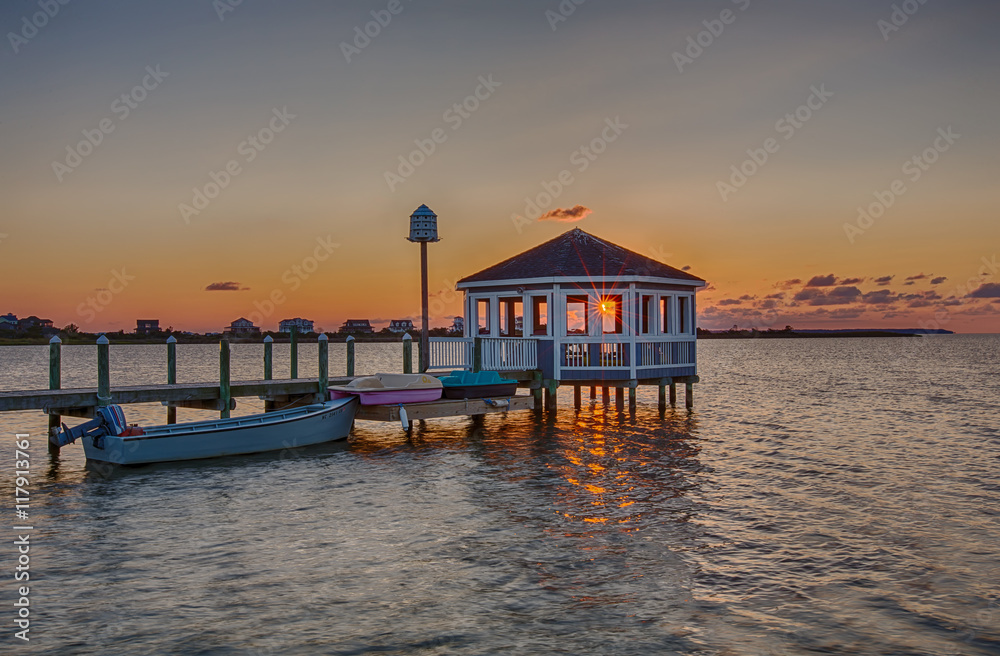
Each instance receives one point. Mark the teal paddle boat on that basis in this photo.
(483, 384)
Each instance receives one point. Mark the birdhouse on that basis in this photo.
(423, 225)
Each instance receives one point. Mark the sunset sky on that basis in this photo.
(119, 119)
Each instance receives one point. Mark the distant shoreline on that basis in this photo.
(783, 334)
(115, 338)
(86, 339)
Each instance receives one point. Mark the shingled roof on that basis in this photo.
(577, 254)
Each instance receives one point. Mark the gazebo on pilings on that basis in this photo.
(579, 311)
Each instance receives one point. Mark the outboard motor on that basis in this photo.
(109, 420)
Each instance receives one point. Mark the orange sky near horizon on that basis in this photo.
(748, 164)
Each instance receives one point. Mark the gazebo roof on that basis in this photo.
(577, 254)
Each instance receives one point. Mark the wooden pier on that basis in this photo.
(221, 397)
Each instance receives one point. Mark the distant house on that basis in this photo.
(8, 322)
(242, 326)
(357, 326)
(34, 322)
(302, 325)
(147, 326)
(400, 326)
(458, 325)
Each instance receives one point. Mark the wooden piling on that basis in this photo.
(673, 393)
(631, 397)
(324, 366)
(606, 396)
(225, 393)
(171, 375)
(593, 392)
(619, 399)
(294, 359)
(689, 395)
(103, 372)
(350, 355)
(477, 354)
(537, 392)
(551, 396)
(407, 354)
(661, 401)
(268, 357)
(55, 382)
(576, 397)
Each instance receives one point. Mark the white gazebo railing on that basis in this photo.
(511, 354)
(622, 353)
(451, 353)
(626, 353)
(666, 352)
(496, 353)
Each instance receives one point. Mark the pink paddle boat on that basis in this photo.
(389, 389)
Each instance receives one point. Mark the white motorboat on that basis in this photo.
(108, 438)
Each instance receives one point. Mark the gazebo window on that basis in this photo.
(483, 316)
(683, 314)
(610, 308)
(576, 315)
(539, 315)
(665, 315)
(645, 314)
(510, 310)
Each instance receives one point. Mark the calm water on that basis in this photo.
(825, 496)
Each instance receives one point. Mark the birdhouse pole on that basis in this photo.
(423, 229)
(425, 340)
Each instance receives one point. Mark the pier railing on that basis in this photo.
(626, 353)
(451, 353)
(483, 353)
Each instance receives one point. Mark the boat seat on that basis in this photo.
(114, 419)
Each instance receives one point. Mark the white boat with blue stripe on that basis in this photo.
(108, 438)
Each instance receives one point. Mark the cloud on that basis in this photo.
(920, 276)
(838, 296)
(822, 281)
(938, 280)
(730, 301)
(986, 290)
(225, 287)
(850, 281)
(884, 280)
(788, 284)
(686, 267)
(577, 213)
(880, 297)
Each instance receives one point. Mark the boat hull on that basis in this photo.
(285, 429)
(391, 397)
(498, 390)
